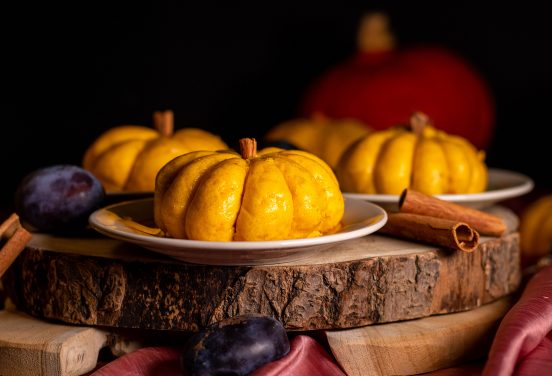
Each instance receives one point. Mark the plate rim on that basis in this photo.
(233, 246)
(493, 195)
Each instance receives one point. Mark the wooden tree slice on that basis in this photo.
(374, 279)
(32, 347)
(418, 346)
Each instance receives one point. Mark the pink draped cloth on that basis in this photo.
(306, 357)
(148, 361)
(523, 342)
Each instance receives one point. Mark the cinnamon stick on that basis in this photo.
(432, 230)
(15, 238)
(415, 202)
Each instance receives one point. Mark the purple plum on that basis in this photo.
(58, 198)
(236, 346)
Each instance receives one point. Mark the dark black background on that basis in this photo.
(238, 70)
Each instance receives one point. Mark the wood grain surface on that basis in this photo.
(33, 347)
(418, 346)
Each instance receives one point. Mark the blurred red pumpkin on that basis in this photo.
(382, 86)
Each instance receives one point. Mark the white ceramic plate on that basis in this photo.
(361, 218)
(502, 185)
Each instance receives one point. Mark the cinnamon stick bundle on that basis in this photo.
(438, 231)
(13, 238)
(415, 202)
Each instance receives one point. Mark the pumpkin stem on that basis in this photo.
(319, 117)
(374, 34)
(163, 121)
(418, 122)
(248, 148)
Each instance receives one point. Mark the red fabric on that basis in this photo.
(148, 361)
(306, 357)
(522, 345)
(539, 361)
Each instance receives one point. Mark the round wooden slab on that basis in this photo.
(373, 279)
(418, 346)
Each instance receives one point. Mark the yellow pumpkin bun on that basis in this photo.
(421, 158)
(319, 135)
(128, 157)
(223, 196)
(536, 230)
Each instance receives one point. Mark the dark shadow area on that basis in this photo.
(239, 70)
